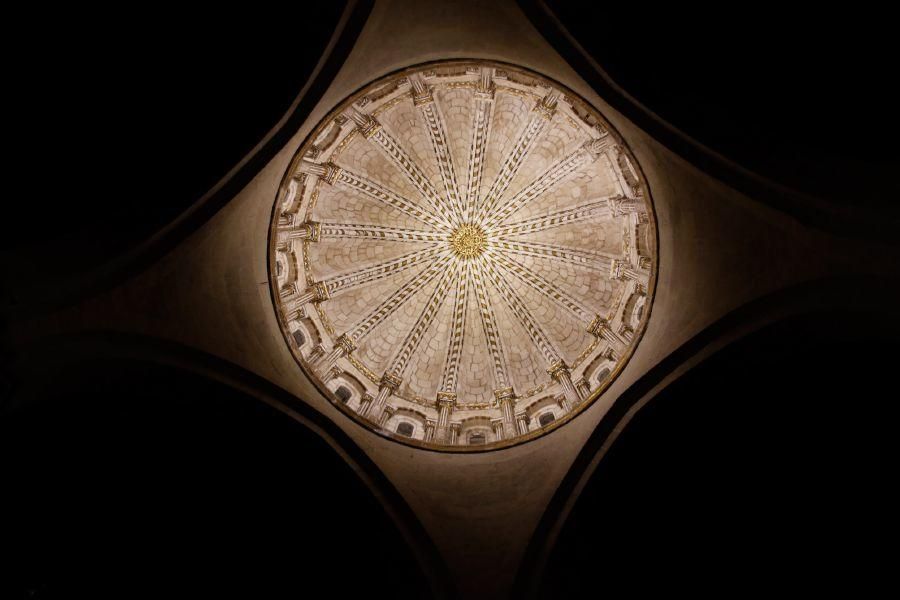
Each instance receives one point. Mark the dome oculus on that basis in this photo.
(463, 255)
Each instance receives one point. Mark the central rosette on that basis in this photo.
(468, 241)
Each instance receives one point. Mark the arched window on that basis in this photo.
(299, 338)
(603, 374)
(476, 438)
(546, 418)
(405, 428)
(343, 394)
(278, 268)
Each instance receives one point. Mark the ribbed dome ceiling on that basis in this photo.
(462, 255)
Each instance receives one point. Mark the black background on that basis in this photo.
(768, 468)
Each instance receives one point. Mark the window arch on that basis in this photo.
(299, 338)
(405, 428)
(477, 438)
(546, 419)
(603, 374)
(343, 394)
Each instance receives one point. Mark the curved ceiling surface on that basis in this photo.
(463, 255)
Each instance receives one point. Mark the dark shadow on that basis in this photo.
(146, 119)
(775, 92)
(768, 467)
(127, 127)
(125, 479)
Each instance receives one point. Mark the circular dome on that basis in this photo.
(463, 255)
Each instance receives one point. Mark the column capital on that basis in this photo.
(596, 147)
(620, 205)
(484, 89)
(288, 290)
(327, 172)
(598, 324)
(558, 369)
(522, 422)
(320, 291)
(345, 343)
(313, 152)
(293, 312)
(502, 394)
(313, 231)
(390, 381)
(421, 93)
(386, 413)
(446, 398)
(366, 124)
(546, 106)
(332, 171)
(430, 427)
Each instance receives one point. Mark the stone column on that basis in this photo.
(445, 403)
(560, 372)
(387, 386)
(289, 291)
(497, 425)
(429, 430)
(317, 352)
(454, 433)
(326, 172)
(293, 299)
(366, 124)
(293, 310)
(333, 372)
(484, 89)
(620, 205)
(305, 231)
(563, 403)
(522, 423)
(421, 92)
(621, 270)
(342, 347)
(506, 400)
(365, 403)
(386, 415)
(584, 390)
(628, 182)
(546, 106)
(596, 147)
(600, 327)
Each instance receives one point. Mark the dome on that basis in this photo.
(463, 255)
